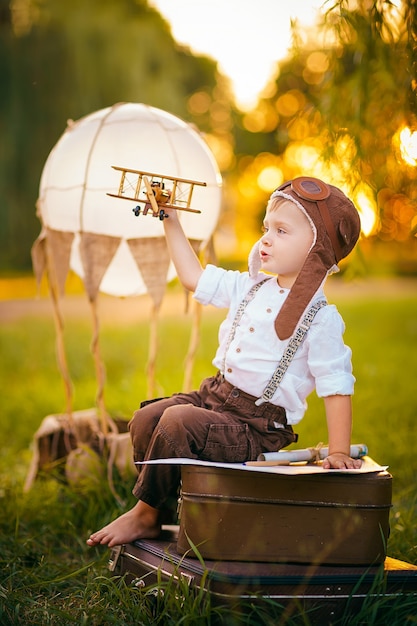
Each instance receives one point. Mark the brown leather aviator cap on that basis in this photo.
(337, 224)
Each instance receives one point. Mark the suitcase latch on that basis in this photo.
(114, 557)
(186, 578)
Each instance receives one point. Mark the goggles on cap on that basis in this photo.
(315, 190)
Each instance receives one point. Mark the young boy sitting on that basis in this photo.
(243, 411)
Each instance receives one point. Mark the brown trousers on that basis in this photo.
(218, 422)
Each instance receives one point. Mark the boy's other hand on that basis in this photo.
(339, 460)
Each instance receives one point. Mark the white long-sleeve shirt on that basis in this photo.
(322, 362)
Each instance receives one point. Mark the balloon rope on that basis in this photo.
(192, 348)
(153, 349)
(59, 329)
(100, 369)
(88, 163)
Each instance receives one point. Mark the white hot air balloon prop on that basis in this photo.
(99, 237)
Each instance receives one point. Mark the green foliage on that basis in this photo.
(336, 110)
(63, 60)
(365, 90)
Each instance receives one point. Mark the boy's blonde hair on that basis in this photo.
(275, 202)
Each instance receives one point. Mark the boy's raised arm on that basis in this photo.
(186, 262)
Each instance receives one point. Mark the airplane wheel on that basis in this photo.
(162, 214)
(136, 211)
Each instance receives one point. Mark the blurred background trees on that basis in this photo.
(345, 110)
(342, 106)
(63, 60)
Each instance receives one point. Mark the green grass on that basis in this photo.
(47, 573)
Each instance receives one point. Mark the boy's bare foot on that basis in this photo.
(139, 523)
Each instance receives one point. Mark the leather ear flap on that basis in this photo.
(308, 282)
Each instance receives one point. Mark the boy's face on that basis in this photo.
(286, 242)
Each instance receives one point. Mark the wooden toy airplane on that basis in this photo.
(155, 191)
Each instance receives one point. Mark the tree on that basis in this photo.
(337, 109)
(62, 60)
(370, 94)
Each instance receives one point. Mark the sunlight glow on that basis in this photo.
(408, 146)
(366, 205)
(301, 157)
(247, 40)
(270, 178)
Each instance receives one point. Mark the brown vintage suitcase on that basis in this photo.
(233, 514)
(326, 592)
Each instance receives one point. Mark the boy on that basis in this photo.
(309, 227)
